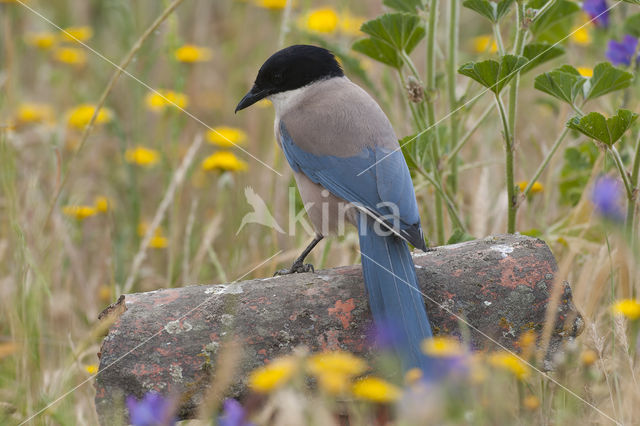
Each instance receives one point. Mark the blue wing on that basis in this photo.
(385, 190)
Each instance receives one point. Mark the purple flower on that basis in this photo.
(606, 196)
(597, 9)
(152, 410)
(233, 414)
(620, 53)
(385, 335)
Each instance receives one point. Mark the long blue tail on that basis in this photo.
(394, 296)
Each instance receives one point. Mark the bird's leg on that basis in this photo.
(298, 265)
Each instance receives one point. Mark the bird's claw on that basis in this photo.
(296, 268)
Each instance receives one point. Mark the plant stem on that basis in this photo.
(431, 112)
(542, 10)
(545, 162)
(454, 15)
(451, 207)
(623, 173)
(521, 32)
(631, 206)
(511, 198)
(470, 132)
(498, 37)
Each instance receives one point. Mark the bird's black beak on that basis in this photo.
(254, 95)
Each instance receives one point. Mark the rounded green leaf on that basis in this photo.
(605, 79)
(492, 74)
(379, 51)
(564, 83)
(402, 31)
(492, 10)
(605, 130)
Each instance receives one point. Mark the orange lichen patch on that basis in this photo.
(342, 311)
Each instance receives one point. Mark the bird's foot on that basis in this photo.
(429, 249)
(296, 268)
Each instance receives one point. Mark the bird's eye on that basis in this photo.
(277, 78)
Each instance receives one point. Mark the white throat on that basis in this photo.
(283, 102)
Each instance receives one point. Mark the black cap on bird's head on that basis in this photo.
(291, 68)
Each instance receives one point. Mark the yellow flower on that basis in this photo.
(80, 116)
(338, 362)
(413, 376)
(588, 357)
(442, 347)
(223, 160)
(190, 53)
(141, 156)
(581, 36)
(104, 293)
(483, 43)
(585, 71)
(42, 40)
(375, 389)
(322, 20)
(158, 242)
(77, 33)
(350, 25)
(70, 55)
(226, 136)
(264, 103)
(91, 368)
(34, 113)
(79, 212)
(531, 402)
(273, 375)
(101, 204)
(158, 101)
(630, 308)
(271, 4)
(510, 362)
(535, 188)
(334, 383)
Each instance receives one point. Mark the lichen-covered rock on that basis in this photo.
(166, 340)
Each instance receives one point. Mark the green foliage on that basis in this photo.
(606, 78)
(632, 25)
(576, 171)
(605, 130)
(493, 74)
(403, 31)
(539, 53)
(410, 6)
(492, 10)
(564, 83)
(391, 35)
(459, 236)
(632, 1)
(556, 22)
(379, 51)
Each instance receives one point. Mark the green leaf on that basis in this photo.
(379, 51)
(492, 10)
(493, 74)
(556, 22)
(564, 83)
(410, 6)
(605, 130)
(401, 31)
(632, 1)
(606, 78)
(632, 25)
(459, 236)
(539, 53)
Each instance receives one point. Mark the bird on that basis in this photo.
(344, 152)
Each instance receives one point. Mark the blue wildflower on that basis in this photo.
(233, 414)
(598, 10)
(152, 410)
(606, 197)
(620, 53)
